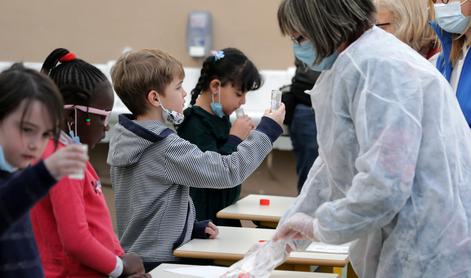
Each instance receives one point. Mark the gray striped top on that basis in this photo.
(151, 181)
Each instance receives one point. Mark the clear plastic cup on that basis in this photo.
(240, 112)
(275, 99)
(80, 174)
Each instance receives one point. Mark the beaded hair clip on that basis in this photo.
(219, 54)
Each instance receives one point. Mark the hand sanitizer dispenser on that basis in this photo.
(199, 36)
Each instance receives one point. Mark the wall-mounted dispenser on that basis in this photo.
(199, 33)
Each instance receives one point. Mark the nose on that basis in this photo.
(107, 127)
(242, 100)
(33, 143)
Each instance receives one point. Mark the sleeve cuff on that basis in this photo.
(234, 140)
(270, 128)
(45, 175)
(198, 229)
(118, 269)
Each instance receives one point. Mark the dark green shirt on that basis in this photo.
(210, 133)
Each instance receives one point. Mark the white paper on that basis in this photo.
(320, 247)
(205, 271)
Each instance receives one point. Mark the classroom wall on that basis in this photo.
(98, 30)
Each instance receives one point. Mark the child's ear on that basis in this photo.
(214, 86)
(153, 98)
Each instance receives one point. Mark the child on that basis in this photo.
(30, 114)
(72, 223)
(225, 79)
(152, 169)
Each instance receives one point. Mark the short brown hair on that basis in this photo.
(136, 73)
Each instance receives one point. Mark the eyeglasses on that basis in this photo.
(442, 1)
(382, 25)
(91, 110)
(298, 39)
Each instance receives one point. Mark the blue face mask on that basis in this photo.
(216, 107)
(450, 18)
(4, 165)
(307, 53)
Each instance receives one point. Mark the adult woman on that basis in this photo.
(393, 171)
(453, 27)
(409, 22)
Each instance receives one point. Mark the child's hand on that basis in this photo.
(212, 230)
(278, 116)
(132, 264)
(141, 275)
(66, 161)
(242, 127)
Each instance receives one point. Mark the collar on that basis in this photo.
(127, 121)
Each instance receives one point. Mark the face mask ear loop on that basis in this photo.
(76, 134)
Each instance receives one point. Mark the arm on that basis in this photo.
(187, 165)
(69, 211)
(21, 191)
(387, 122)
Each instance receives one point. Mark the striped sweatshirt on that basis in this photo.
(152, 170)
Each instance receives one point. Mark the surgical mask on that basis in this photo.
(216, 107)
(307, 53)
(171, 117)
(450, 18)
(4, 165)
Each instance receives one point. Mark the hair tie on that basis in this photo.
(68, 57)
(218, 55)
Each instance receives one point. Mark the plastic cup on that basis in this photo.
(80, 174)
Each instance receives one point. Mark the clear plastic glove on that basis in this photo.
(260, 260)
(298, 226)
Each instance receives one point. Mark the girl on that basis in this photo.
(393, 171)
(30, 114)
(225, 79)
(72, 224)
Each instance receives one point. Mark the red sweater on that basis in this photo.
(73, 229)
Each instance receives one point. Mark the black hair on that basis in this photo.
(229, 65)
(18, 84)
(75, 78)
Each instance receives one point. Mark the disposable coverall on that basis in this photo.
(394, 168)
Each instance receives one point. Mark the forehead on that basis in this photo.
(103, 96)
(33, 112)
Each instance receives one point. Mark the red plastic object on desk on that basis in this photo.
(264, 202)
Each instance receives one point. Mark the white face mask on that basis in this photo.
(171, 117)
(450, 18)
(4, 165)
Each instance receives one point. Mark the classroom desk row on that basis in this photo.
(164, 271)
(233, 243)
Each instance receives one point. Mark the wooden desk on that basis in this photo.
(249, 208)
(159, 272)
(233, 242)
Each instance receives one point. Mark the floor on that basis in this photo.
(276, 176)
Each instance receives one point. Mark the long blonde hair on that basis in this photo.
(410, 22)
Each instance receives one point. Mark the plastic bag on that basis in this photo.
(261, 260)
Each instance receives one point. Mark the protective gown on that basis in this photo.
(394, 168)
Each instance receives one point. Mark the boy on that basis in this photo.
(152, 168)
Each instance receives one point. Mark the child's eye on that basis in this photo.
(47, 135)
(26, 129)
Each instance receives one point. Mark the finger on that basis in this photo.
(209, 231)
(281, 233)
(212, 225)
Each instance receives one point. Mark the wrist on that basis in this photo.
(118, 270)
